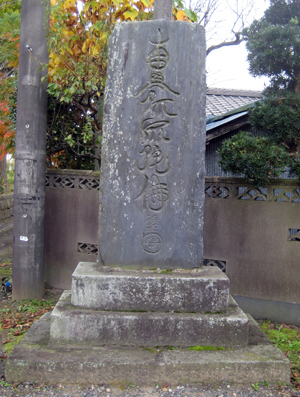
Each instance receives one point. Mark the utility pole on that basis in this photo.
(30, 153)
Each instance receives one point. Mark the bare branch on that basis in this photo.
(238, 39)
(212, 15)
(205, 9)
(242, 13)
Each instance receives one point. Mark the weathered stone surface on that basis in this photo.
(32, 360)
(206, 290)
(152, 172)
(163, 9)
(70, 324)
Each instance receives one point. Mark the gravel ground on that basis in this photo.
(224, 390)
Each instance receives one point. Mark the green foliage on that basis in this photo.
(265, 383)
(279, 117)
(33, 305)
(9, 6)
(150, 349)
(274, 51)
(274, 46)
(255, 386)
(77, 42)
(9, 55)
(181, 13)
(9, 38)
(5, 384)
(258, 158)
(287, 339)
(69, 137)
(295, 168)
(10, 180)
(2, 186)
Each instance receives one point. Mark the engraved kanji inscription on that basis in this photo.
(158, 98)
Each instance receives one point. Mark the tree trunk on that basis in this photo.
(3, 172)
(30, 154)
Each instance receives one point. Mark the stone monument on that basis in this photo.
(152, 172)
(149, 289)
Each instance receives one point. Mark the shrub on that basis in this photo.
(279, 118)
(258, 158)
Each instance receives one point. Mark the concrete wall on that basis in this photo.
(71, 223)
(253, 234)
(256, 234)
(6, 206)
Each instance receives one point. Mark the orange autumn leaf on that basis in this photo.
(181, 16)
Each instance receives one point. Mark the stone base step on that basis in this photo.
(70, 324)
(199, 290)
(32, 360)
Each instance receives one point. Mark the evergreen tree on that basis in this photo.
(274, 46)
(273, 43)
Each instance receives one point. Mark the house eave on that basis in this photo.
(222, 127)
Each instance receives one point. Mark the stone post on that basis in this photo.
(163, 9)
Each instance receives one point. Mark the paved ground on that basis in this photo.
(224, 390)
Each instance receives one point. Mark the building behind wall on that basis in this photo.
(226, 115)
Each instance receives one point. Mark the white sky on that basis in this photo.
(228, 67)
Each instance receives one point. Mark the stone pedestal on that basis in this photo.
(199, 290)
(142, 308)
(149, 329)
(90, 338)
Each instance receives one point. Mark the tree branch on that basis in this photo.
(238, 39)
(205, 10)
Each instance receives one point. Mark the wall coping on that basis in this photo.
(242, 181)
(51, 171)
(6, 196)
(208, 179)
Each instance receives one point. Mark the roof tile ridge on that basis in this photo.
(233, 92)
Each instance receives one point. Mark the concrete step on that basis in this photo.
(71, 324)
(198, 290)
(33, 360)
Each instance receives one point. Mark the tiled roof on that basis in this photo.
(221, 100)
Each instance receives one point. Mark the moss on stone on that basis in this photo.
(9, 347)
(202, 348)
